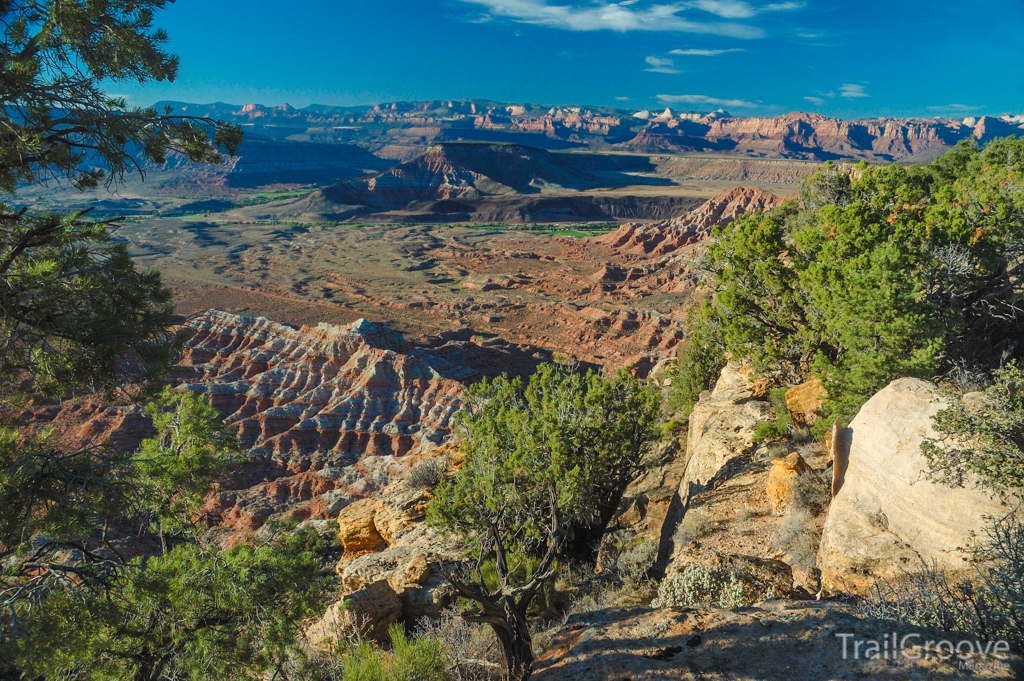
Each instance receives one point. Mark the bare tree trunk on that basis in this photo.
(516, 644)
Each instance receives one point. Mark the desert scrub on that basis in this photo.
(748, 512)
(694, 525)
(634, 564)
(985, 602)
(427, 474)
(701, 587)
(796, 534)
(472, 650)
(811, 493)
(781, 425)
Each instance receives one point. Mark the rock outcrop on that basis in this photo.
(403, 129)
(662, 238)
(781, 481)
(389, 549)
(357, 529)
(887, 516)
(722, 426)
(368, 613)
(812, 136)
(804, 402)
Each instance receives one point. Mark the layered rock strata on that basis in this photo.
(328, 414)
(668, 236)
(322, 395)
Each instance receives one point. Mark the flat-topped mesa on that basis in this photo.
(809, 136)
(667, 236)
(321, 396)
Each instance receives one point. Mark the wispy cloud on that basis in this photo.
(704, 100)
(954, 108)
(737, 9)
(815, 100)
(623, 16)
(852, 91)
(703, 53)
(622, 99)
(660, 65)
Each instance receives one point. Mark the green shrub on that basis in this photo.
(874, 274)
(671, 427)
(781, 425)
(701, 587)
(546, 460)
(986, 441)
(411, 658)
(698, 364)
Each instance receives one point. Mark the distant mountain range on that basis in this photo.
(403, 130)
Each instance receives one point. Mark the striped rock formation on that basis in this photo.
(328, 414)
(667, 236)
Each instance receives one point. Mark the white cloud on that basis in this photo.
(622, 99)
(703, 53)
(704, 100)
(737, 9)
(954, 108)
(659, 65)
(852, 91)
(815, 100)
(622, 17)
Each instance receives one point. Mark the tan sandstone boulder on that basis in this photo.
(804, 402)
(781, 480)
(357, 529)
(368, 612)
(722, 426)
(887, 516)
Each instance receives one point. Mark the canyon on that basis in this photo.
(342, 281)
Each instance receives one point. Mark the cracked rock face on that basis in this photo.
(887, 516)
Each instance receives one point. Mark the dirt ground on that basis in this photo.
(563, 293)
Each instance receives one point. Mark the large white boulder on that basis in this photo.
(887, 517)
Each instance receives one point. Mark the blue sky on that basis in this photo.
(844, 58)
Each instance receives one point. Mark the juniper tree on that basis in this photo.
(874, 273)
(547, 461)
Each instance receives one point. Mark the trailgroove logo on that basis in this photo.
(992, 654)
